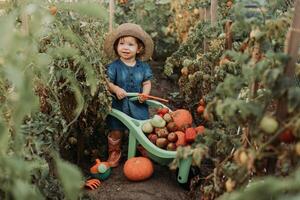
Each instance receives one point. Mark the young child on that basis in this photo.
(130, 45)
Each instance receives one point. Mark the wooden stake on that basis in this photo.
(206, 19)
(213, 11)
(228, 35)
(291, 48)
(207, 14)
(111, 14)
(25, 24)
(201, 14)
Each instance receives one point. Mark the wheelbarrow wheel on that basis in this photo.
(194, 171)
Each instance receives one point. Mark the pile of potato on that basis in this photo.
(168, 130)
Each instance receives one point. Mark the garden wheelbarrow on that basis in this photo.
(137, 136)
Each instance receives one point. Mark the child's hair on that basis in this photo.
(141, 45)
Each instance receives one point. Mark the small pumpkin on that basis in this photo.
(182, 118)
(138, 168)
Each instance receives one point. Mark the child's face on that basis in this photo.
(128, 48)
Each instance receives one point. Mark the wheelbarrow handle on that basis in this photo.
(148, 96)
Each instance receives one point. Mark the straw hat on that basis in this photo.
(129, 29)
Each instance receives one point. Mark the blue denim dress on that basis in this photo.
(131, 80)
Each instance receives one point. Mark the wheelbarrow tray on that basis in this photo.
(137, 136)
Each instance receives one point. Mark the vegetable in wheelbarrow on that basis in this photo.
(147, 127)
(167, 129)
(158, 121)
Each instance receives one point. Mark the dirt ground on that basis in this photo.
(163, 184)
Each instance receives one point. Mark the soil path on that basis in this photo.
(163, 184)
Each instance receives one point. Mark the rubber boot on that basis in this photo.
(114, 151)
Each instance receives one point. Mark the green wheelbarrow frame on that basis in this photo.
(136, 136)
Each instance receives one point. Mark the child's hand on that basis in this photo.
(120, 93)
(142, 97)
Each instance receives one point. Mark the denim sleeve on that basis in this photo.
(148, 73)
(111, 73)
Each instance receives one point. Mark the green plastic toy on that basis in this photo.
(136, 136)
(99, 171)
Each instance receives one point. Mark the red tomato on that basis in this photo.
(162, 111)
(287, 136)
(200, 129)
(229, 4)
(200, 109)
(190, 135)
(53, 10)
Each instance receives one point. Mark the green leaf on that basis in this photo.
(89, 9)
(23, 190)
(230, 87)
(70, 36)
(71, 179)
(7, 26)
(76, 89)
(4, 137)
(163, 1)
(293, 98)
(270, 76)
(91, 79)
(63, 52)
(43, 60)
(198, 154)
(149, 6)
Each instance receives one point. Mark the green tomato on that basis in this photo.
(268, 124)
(187, 62)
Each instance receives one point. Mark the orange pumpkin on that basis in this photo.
(182, 118)
(181, 138)
(138, 168)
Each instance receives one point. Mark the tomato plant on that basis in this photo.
(241, 87)
(51, 77)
